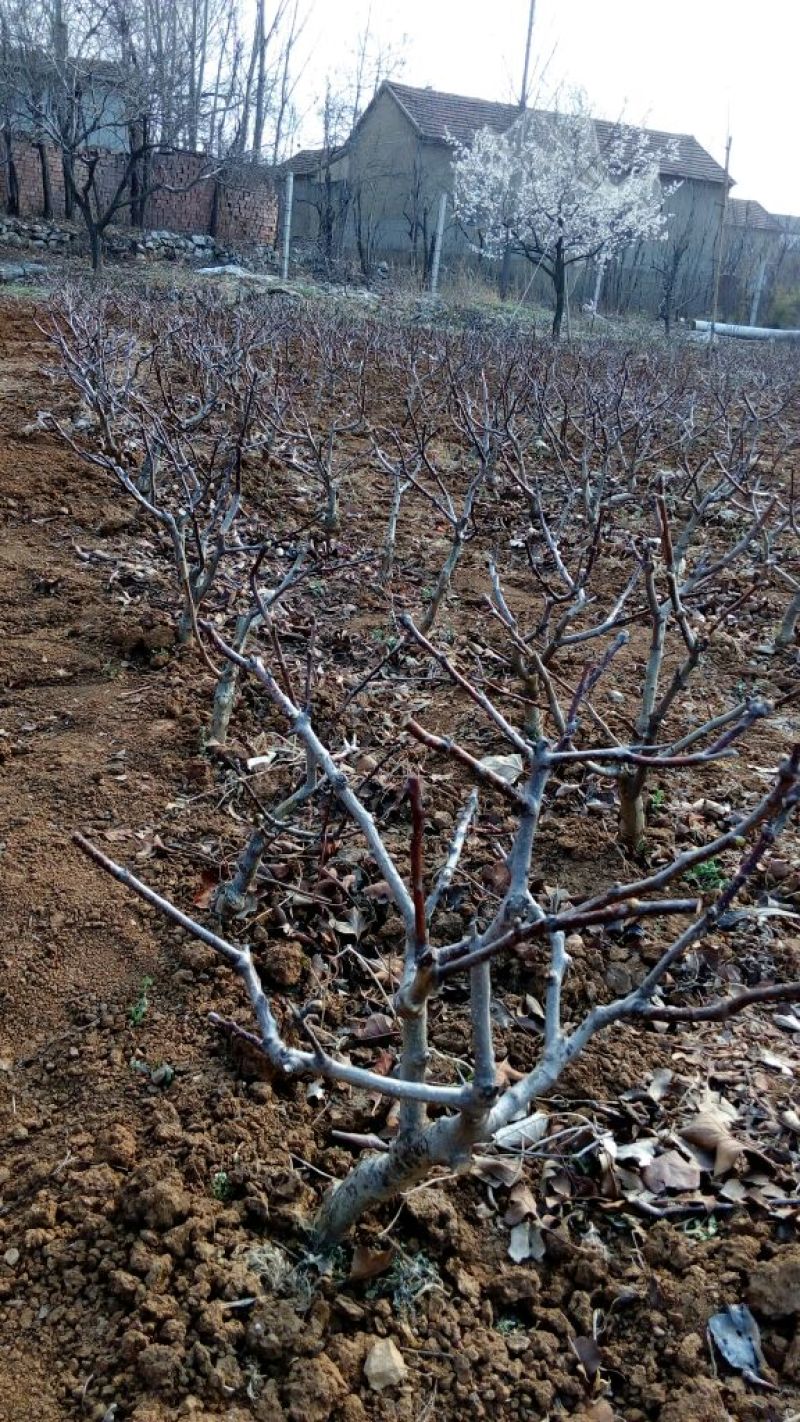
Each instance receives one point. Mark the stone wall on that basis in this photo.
(29, 237)
(239, 205)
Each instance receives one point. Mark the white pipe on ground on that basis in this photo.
(745, 333)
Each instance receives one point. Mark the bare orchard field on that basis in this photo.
(446, 681)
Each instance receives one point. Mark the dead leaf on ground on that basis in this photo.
(735, 1334)
(379, 891)
(589, 1355)
(734, 1190)
(375, 1028)
(209, 884)
(781, 1064)
(671, 1171)
(641, 1151)
(521, 1203)
(368, 1263)
(710, 1129)
(495, 1170)
(526, 1241)
(505, 1074)
(660, 1083)
(521, 1135)
(508, 767)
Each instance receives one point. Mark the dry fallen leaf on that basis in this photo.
(375, 1028)
(734, 1190)
(781, 1064)
(641, 1152)
(710, 1129)
(735, 1333)
(508, 767)
(521, 1203)
(660, 1083)
(789, 1021)
(523, 1134)
(379, 891)
(209, 883)
(526, 1241)
(671, 1171)
(367, 1263)
(505, 1074)
(495, 1170)
(588, 1354)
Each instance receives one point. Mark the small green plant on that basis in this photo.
(658, 799)
(221, 1186)
(138, 1011)
(702, 1230)
(508, 1324)
(410, 1277)
(707, 876)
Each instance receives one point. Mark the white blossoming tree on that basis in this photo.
(561, 189)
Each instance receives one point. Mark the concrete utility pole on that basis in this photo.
(598, 286)
(720, 241)
(287, 223)
(437, 246)
(523, 93)
(759, 287)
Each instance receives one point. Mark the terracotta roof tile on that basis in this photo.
(438, 116)
(743, 212)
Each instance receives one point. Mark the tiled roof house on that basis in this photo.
(397, 162)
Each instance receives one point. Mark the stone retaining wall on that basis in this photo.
(26, 239)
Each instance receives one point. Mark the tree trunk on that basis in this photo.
(95, 245)
(47, 191)
(137, 212)
(631, 809)
(69, 194)
(560, 284)
(213, 221)
(12, 181)
(259, 116)
(788, 627)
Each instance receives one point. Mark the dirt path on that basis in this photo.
(66, 711)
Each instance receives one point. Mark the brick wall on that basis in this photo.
(29, 179)
(244, 209)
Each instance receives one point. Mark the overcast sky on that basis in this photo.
(688, 66)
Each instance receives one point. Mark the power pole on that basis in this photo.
(287, 223)
(523, 94)
(437, 247)
(720, 243)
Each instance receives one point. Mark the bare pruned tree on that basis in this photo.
(441, 1123)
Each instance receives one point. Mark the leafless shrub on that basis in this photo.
(623, 496)
(475, 1111)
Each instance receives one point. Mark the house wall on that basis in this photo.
(637, 279)
(750, 265)
(104, 113)
(246, 203)
(391, 193)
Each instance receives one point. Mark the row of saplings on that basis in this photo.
(634, 501)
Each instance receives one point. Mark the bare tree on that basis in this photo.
(591, 533)
(475, 1111)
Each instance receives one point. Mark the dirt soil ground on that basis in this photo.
(146, 1220)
